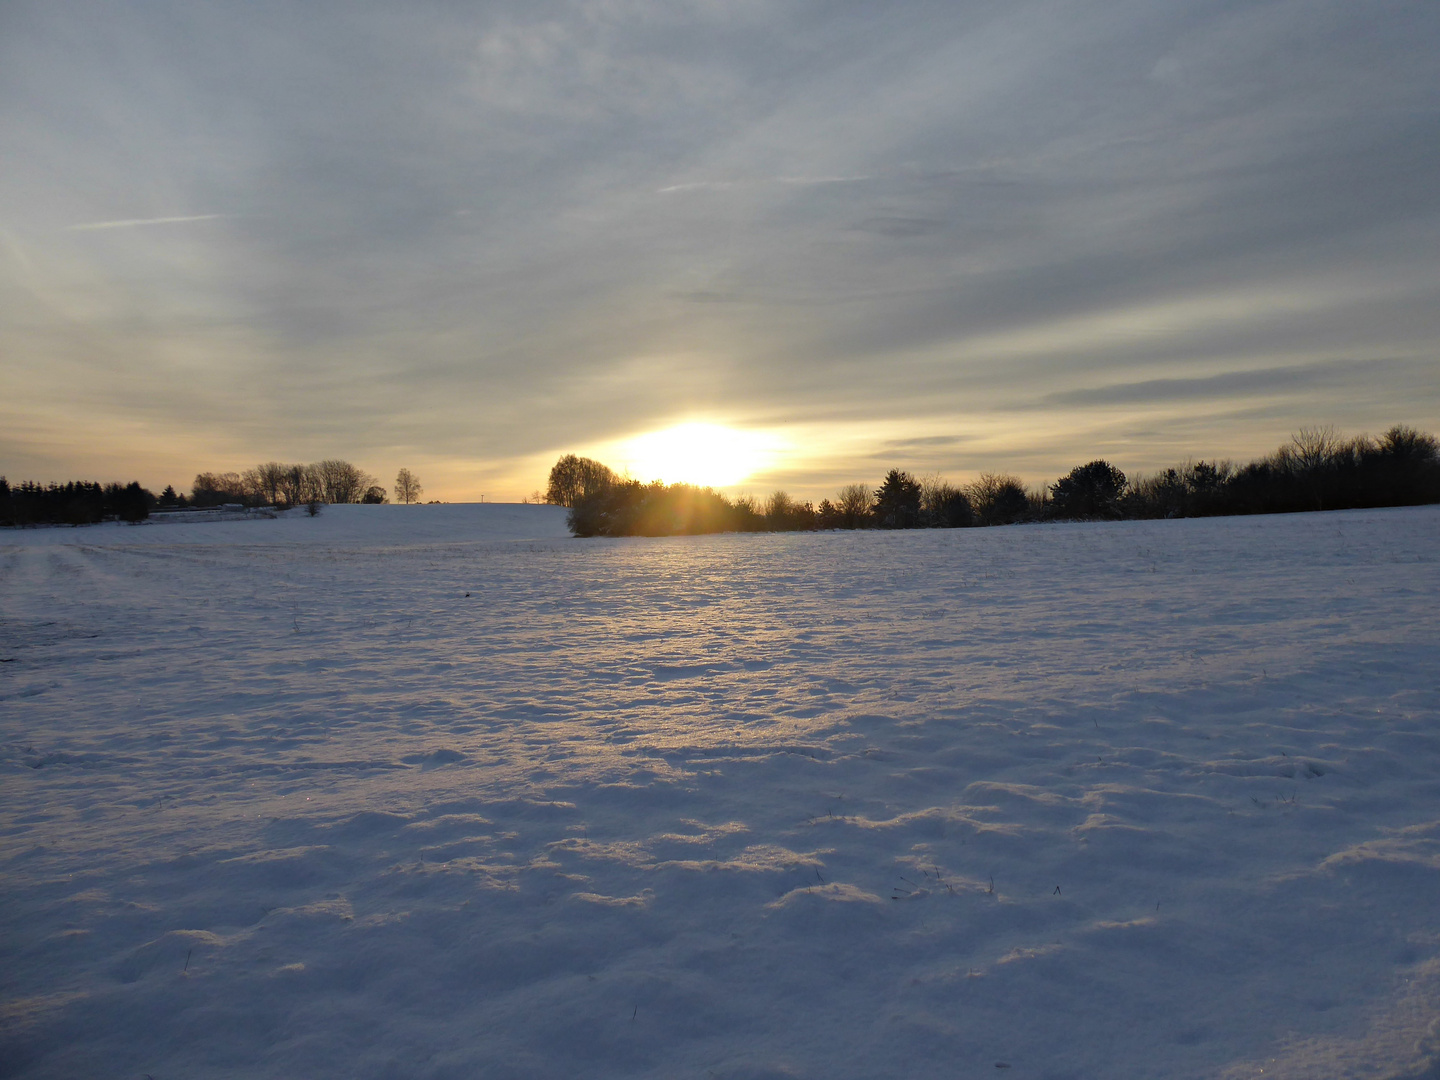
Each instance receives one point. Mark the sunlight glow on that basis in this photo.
(710, 455)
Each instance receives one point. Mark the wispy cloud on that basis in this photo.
(131, 223)
(792, 181)
(695, 185)
(809, 180)
(1324, 375)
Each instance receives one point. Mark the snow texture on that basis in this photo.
(441, 792)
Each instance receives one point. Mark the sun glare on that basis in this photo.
(710, 455)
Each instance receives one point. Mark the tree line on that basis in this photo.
(284, 486)
(1316, 470)
(276, 483)
(272, 483)
(75, 503)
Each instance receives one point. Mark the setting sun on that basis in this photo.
(710, 455)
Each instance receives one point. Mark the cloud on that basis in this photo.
(1328, 375)
(900, 227)
(695, 185)
(794, 181)
(130, 223)
(924, 442)
(808, 181)
(1030, 219)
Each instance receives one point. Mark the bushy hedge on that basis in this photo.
(630, 508)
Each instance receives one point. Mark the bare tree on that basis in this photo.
(407, 487)
(254, 486)
(934, 490)
(292, 480)
(853, 502)
(1312, 448)
(1402, 442)
(779, 505)
(342, 482)
(267, 479)
(1309, 455)
(300, 484)
(782, 512)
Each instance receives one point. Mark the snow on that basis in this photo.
(1144, 799)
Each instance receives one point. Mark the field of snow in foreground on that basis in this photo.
(440, 792)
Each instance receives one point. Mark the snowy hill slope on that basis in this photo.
(350, 525)
(1149, 799)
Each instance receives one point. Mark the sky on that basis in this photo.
(951, 237)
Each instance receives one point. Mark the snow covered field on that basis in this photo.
(1147, 799)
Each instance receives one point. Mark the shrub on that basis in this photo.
(630, 508)
(953, 512)
(784, 514)
(1089, 491)
(998, 499)
(943, 505)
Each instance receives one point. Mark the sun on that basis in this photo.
(710, 455)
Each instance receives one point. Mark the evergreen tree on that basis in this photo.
(897, 501)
